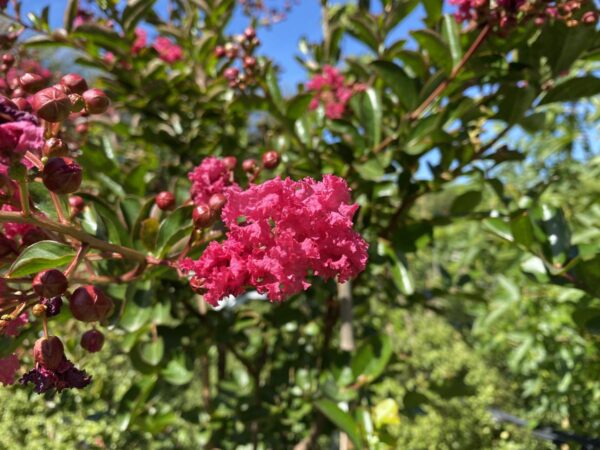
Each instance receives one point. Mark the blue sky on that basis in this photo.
(279, 42)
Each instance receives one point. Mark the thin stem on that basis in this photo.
(24, 196)
(82, 236)
(444, 84)
(58, 207)
(45, 327)
(78, 258)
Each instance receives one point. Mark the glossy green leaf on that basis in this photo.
(572, 90)
(396, 78)
(41, 256)
(153, 352)
(175, 227)
(371, 358)
(341, 419)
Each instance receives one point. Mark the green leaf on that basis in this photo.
(465, 203)
(396, 78)
(435, 46)
(572, 90)
(153, 352)
(372, 357)
(70, 14)
(451, 34)
(515, 103)
(274, 91)
(341, 419)
(176, 371)
(522, 230)
(401, 276)
(367, 106)
(370, 170)
(175, 227)
(133, 13)
(499, 227)
(41, 256)
(117, 232)
(138, 309)
(298, 105)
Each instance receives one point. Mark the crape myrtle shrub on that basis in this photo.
(159, 206)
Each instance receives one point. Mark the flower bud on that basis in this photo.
(55, 147)
(32, 236)
(96, 101)
(53, 306)
(62, 175)
(51, 105)
(197, 286)
(77, 103)
(231, 50)
(8, 59)
(48, 352)
(92, 341)
(7, 246)
(31, 82)
(249, 166)
(250, 33)
(62, 88)
(230, 162)
(220, 51)
(77, 204)
(165, 201)
(231, 73)
(75, 83)
(39, 310)
(249, 62)
(589, 17)
(270, 159)
(22, 104)
(50, 283)
(216, 203)
(18, 93)
(82, 128)
(90, 304)
(202, 216)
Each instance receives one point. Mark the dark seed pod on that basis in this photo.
(62, 175)
(92, 341)
(49, 352)
(50, 283)
(90, 304)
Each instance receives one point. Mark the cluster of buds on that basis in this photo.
(241, 64)
(87, 304)
(508, 13)
(267, 14)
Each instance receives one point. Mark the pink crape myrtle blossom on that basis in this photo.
(18, 137)
(211, 177)
(280, 232)
(332, 91)
(167, 50)
(140, 41)
(8, 369)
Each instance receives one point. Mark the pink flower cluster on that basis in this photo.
(280, 232)
(212, 176)
(332, 92)
(167, 50)
(506, 13)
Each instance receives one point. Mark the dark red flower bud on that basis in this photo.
(96, 101)
(54, 147)
(249, 62)
(23, 104)
(8, 59)
(165, 200)
(7, 246)
(75, 83)
(90, 304)
(77, 204)
(82, 128)
(202, 216)
(51, 104)
(77, 103)
(53, 306)
(31, 82)
(270, 159)
(230, 162)
(249, 165)
(216, 203)
(62, 175)
(49, 352)
(220, 51)
(50, 283)
(62, 88)
(197, 286)
(231, 73)
(250, 33)
(231, 50)
(32, 236)
(92, 341)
